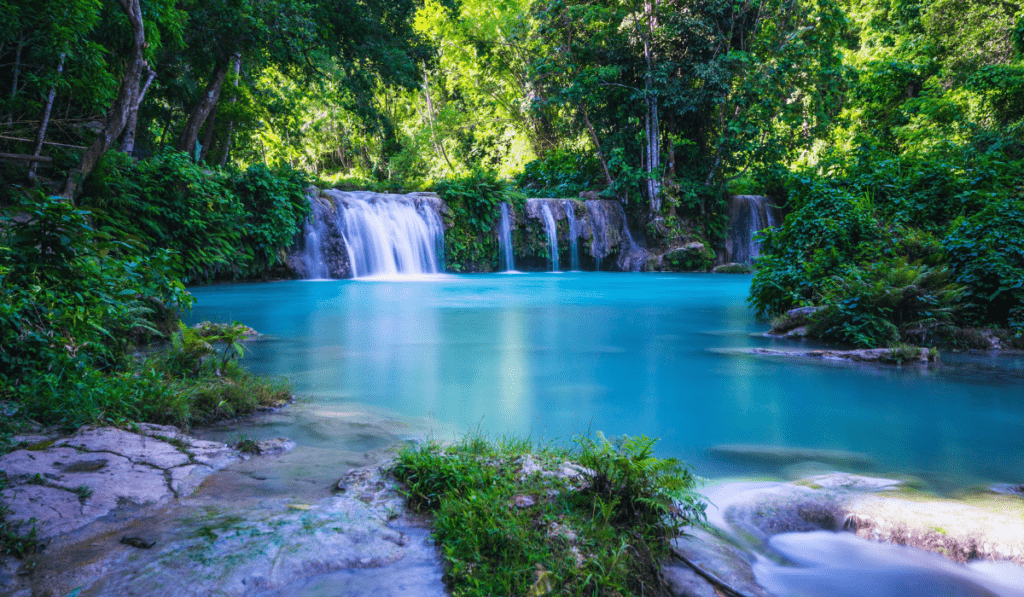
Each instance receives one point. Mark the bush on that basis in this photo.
(986, 253)
(506, 531)
(561, 173)
(74, 303)
(884, 303)
(474, 210)
(225, 224)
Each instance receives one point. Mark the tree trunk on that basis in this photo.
(438, 147)
(653, 148)
(231, 124)
(45, 122)
(208, 137)
(17, 67)
(117, 117)
(128, 142)
(189, 136)
(597, 147)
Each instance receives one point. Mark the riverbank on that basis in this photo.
(186, 513)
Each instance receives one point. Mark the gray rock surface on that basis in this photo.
(985, 526)
(275, 546)
(100, 470)
(864, 355)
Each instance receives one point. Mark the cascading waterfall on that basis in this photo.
(573, 232)
(505, 240)
(314, 233)
(748, 214)
(552, 230)
(609, 229)
(371, 234)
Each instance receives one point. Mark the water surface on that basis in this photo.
(551, 355)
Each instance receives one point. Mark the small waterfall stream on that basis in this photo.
(505, 256)
(570, 214)
(748, 215)
(552, 230)
(359, 234)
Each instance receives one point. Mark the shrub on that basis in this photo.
(73, 302)
(986, 253)
(883, 303)
(504, 530)
(474, 210)
(224, 224)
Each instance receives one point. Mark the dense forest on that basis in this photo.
(149, 144)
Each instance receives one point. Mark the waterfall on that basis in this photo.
(505, 240)
(748, 214)
(359, 234)
(573, 232)
(314, 233)
(610, 232)
(552, 230)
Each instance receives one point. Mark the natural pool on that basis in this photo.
(551, 355)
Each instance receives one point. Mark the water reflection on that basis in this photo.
(556, 354)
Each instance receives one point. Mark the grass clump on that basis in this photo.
(512, 519)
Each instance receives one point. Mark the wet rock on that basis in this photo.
(794, 318)
(715, 556)
(101, 470)
(960, 532)
(989, 528)
(273, 548)
(732, 268)
(864, 355)
(786, 455)
(274, 447)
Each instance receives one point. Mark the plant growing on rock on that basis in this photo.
(595, 519)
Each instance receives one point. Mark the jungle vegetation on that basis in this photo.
(148, 144)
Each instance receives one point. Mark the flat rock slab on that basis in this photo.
(990, 528)
(866, 355)
(100, 470)
(278, 546)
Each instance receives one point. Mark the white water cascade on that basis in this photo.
(505, 240)
(573, 232)
(552, 230)
(360, 234)
(748, 215)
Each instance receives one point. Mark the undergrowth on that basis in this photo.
(508, 528)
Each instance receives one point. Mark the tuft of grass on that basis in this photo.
(247, 445)
(504, 530)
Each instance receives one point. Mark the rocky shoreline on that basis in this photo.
(128, 512)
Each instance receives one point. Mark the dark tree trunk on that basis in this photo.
(231, 124)
(17, 67)
(128, 142)
(45, 121)
(208, 137)
(189, 136)
(117, 117)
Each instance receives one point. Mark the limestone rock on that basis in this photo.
(102, 470)
(863, 355)
(275, 446)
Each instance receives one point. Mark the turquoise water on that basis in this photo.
(552, 355)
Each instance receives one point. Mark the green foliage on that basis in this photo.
(224, 224)
(474, 210)
(75, 302)
(507, 529)
(986, 253)
(886, 302)
(560, 173)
